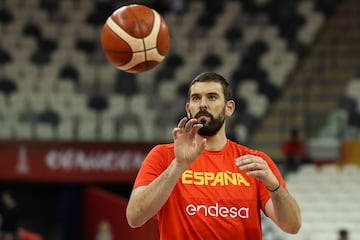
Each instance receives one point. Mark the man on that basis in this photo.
(343, 234)
(204, 186)
(293, 150)
(9, 217)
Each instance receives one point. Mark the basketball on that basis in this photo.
(135, 38)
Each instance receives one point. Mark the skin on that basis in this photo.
(146, 201)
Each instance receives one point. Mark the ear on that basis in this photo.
(187, 109)
(230, 107)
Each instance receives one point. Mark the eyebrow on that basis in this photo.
(210, 94)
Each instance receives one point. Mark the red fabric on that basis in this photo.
(291, 147)
(105, 215)
(28, 235)
(213, 199)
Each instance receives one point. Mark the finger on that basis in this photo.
(175, 132)
(256, 173)
(196, 128)
(189, 125)
(182, 122)
(251, 166)
(243, 161)
(247, 159)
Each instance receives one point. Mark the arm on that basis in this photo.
(282, 208)
(146, 201)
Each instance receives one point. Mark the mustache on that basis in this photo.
(203, 113)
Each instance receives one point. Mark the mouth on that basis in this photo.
(203, 116)
(203, 119)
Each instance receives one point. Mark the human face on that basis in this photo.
(208, 106)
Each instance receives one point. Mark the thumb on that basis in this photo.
(201, 146)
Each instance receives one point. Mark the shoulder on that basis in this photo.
(247, 150)
(164, 147)
(164, 150)
(159, 157)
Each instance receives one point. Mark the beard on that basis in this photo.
(211, 127)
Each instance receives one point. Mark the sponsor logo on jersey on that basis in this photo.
(214, 178)
(217, 210)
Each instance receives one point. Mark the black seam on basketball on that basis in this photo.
(115, 51)
(142, 34)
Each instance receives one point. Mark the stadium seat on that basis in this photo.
(5, 56)
(138, 103)
(69, 71)
(247, 88)
(257, 105)
(125, 83)
(148, 127)
(167, 91)
(241, 133)
(7, 86)
(98, 103)
(23, 130)
(6, 129)
(335, 124)
(130, 132)
(66, 129)
(352, 90)
(87, 127)
(108, 130)
(38, 102)
(117, 103)
(44, 131)
(327, 201)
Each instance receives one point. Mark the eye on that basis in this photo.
(212, 97)
(195, 98)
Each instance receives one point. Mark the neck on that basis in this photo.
(215, 143)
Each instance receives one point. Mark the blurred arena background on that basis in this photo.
(64, 108)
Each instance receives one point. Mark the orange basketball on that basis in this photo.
(135, 38)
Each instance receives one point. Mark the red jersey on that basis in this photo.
(293, 147)
(213, 199)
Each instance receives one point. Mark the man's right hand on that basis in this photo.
(186, 147)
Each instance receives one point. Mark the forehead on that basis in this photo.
(206, 88)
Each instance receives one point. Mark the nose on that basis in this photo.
(203, 103)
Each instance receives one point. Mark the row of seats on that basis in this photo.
(79, 116)
(344, 122)
(353, 100)
(328, 199)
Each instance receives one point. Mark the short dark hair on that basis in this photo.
(343, 232)
(213, 77)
